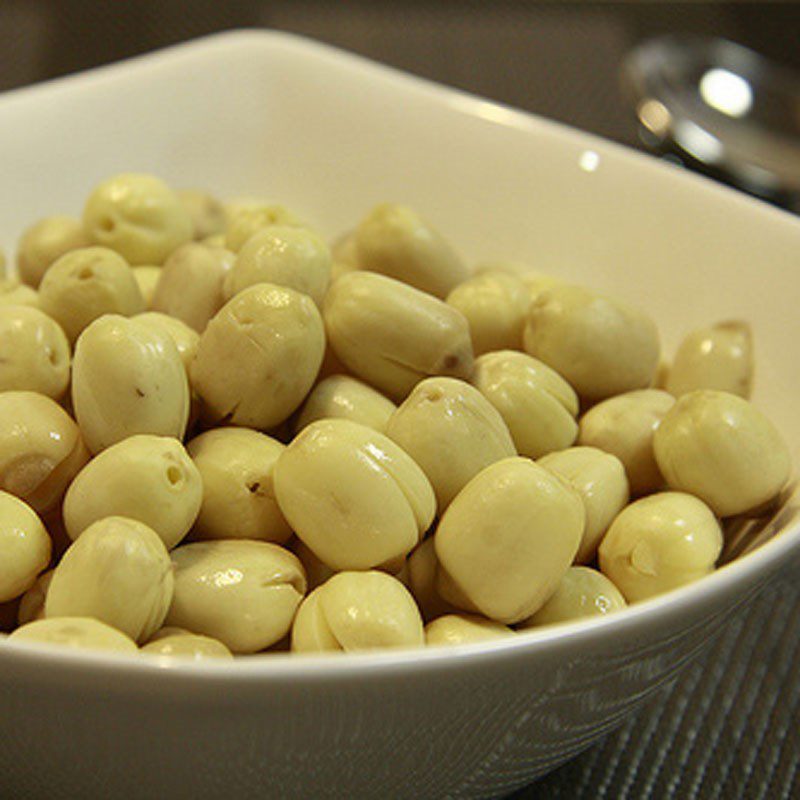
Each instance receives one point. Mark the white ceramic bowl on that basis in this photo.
(330, 134)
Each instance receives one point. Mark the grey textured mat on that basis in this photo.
(728, 728)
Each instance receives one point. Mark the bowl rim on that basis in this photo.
(742, 573)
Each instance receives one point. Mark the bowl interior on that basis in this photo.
(330, 134)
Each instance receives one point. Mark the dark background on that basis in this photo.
(729, 727)
(558, 59)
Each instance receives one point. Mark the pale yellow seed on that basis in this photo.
(343, 397)
(722, 449)
(392, 335)
(41, 449)
(191, 284)
(188, 646)
(25, 547)
(259, 356)
(44, 243)
(582, 592)
(601, 346)
(81, 633)
(395, 241)
(205, 211)
(536, 403)
(659, 543)
(352, 495)
(243, 593)
(118, 572)
(495, 304)
(507, 539)
(138, 216)
(624, 426)
(34, 352)
(236, 466)
(127, 379)
(452, 431)
(719, 357)
(457, 629)
(356, 611)
(86, 284)
(600, 480)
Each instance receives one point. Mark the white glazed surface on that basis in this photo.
(329, 135)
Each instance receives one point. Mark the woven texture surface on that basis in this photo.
(728, 727)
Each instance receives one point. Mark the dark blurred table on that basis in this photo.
(728, 727)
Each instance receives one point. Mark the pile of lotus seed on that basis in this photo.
(220, 434)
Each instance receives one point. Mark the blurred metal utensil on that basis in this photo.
(722, 109)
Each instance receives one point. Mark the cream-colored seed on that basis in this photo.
(45, 242)
(217, 241)
(456, 629)
(395, 241)
(86, 284)
(234, 205)
(600, 345)
(495, 304)
(536, 403)
(582, 592)
(259, 356)
(25, 547)
(191, 284)
(423, 573)
(534, 281)
(537, 282)
(317, 572)
(343, 397)
(119, 572)
(507, 539)
(624, 426)
(659, 543)
(14, 293)
(34, 352)
(661, 376)
(719, 357)
(138, 216)
(339, 268)
(236, 466)
(343, 253)
(188, 646)
(243, 593)
(722, 449)
(356, 611)
(206, 212)
(452, 431)
(147, 279)
(41, 449)
(506, 265)
(185, 339)
(392, 335)
(82, 633)
(283, 255)
(600, 480)
(331, 365)
(352, 495)
(146, 478)
(127, 378)
(311, 632)
(248, 220)
(31, 604)
(169, 630)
